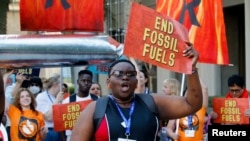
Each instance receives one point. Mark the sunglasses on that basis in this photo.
(119, 74)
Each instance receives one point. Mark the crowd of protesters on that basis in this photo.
(27, 106)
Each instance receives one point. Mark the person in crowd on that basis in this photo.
(84, 82)
(26, 122)
(11, 91)
(236, 86)
(207, 121)
(35, 85)
(123, 118)
(65, 89)
(171, 86)
(142, 77)
(45, 100)
(96, 89)
(190, 128)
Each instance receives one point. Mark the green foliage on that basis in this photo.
(71, 89)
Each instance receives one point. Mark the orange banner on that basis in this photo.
(65, 115)
(231, 110)
(205, 22)
(156, 39)
(62, 15)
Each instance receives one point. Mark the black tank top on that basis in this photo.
(144, 124)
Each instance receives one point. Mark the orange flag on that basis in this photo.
(62, 15)
(205, 21)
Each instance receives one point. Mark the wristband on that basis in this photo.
(195, 70)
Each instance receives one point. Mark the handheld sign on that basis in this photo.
(65, 115)
(231, 110)
(154, 38)
(30, 71)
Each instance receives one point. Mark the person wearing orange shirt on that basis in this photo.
(65, 89)
(26, 122)
(190, 128)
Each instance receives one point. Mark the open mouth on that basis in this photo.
(124, 87)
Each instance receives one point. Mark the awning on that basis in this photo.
(21, 51)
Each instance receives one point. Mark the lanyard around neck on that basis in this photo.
(126, 121)
(190, 121)
(49, 97)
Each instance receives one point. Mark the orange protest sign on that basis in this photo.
(65, 115)
(154, 38)
(231, 110)
(62, 15)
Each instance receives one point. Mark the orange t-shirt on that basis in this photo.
(195, 130)
(25, 125)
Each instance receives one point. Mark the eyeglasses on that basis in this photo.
(119, 74)
(235, 91)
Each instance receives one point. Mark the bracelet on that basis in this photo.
(195, 70)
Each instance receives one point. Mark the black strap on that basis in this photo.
(149, 101)
(72, 98)
(94, 97)
(100, 109)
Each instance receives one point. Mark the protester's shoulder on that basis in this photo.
(40, 115)
(41, 95)
(9, 88)
(91, 106)
(12, 107)
(154, 94)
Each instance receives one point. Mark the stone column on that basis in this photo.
(247, 42)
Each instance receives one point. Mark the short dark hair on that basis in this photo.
(36, 80)
(65, 85)
(117, 62)
(85, 72)
(236, 80)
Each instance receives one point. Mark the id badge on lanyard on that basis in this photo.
(122, 139)
(189, 133)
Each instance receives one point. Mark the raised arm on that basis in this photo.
(173, 107)
(84, 129)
